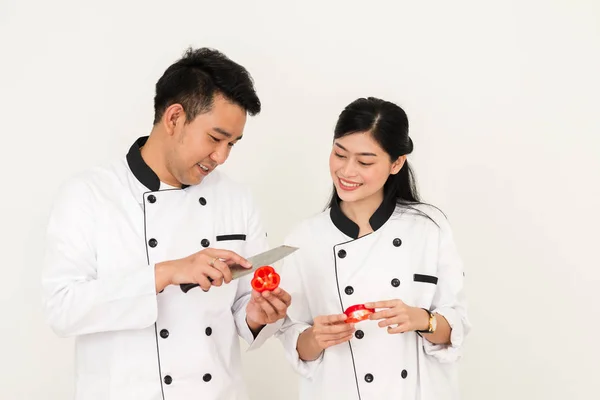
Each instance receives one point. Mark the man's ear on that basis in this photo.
(174, 115)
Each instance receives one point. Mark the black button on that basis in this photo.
(404, 374)
(369, 378)
(202, 201)
(208, 331)
(206, 377)
(359, 334)
(168, 379)
(164, 334)
(151, 198)
(205, 243)
(395, 282)
(349, 290)
(397, 242)
(342, 253)
(152, 242)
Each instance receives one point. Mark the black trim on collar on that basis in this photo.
(349, 227)
(140, 169)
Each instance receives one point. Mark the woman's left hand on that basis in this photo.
(406, 318)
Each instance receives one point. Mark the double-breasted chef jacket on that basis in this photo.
(410, 257)
(108, 229)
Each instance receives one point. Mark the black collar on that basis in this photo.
(140, 169)
(349, 227)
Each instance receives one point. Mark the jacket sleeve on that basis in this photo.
(449, 299)
(76, 300)
(256, 242)
(299, 316)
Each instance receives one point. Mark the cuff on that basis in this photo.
(288, 336)
(244, 331)
(266, 332)
(448, 353)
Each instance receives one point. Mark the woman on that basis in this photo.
(377, 245)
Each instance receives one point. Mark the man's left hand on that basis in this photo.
(267, 307)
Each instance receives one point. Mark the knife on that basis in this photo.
(266, 258)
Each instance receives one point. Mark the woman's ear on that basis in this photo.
(397, 165)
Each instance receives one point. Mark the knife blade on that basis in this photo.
(266, 258)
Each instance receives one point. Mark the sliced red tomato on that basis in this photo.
(357, 313)
(265, 278)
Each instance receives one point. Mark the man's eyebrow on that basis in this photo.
(226, 134)
(359, 154)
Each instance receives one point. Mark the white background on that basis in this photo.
(503, 99)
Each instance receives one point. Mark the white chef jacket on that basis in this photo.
(108, 229)
(408, 257)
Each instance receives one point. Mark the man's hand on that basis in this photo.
(209, 267)
(266, 307)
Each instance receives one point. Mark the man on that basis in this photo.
(123, 238)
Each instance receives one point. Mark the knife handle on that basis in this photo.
(186, 287)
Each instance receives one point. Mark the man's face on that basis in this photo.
(197, 148)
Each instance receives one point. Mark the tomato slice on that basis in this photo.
(265, 278)
(357, 313)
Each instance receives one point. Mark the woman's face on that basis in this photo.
(359, 167)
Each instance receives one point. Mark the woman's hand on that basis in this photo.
(399, 317)
(331, 330)
(327, 331)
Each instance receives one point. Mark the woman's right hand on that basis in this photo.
(327, 331)
(331, 330)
